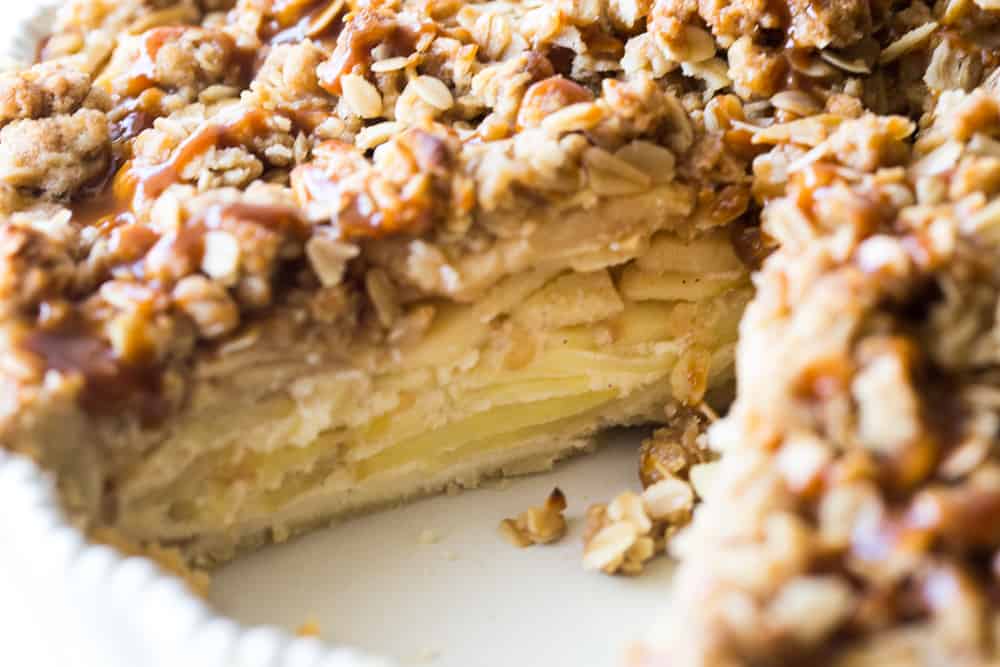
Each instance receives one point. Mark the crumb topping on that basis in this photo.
(186, 167)
(850, 518)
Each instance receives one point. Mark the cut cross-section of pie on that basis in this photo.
(274, 268)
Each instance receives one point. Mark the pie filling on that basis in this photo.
(525, 373)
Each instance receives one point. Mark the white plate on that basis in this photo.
(470, 598)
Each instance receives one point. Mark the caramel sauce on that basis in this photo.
(186, 245)
(293, 21)
(360, 216)
(603, 45)
(95, 211)
(107, 203)
(275, 217)
(248, 62)
(751, 244)
(132, 125)
(961, 515)
(110, 385)
(547, 96)
(152, 180)
(778, 16)
(366, 30)
(795, 59)
(133, 116)
(142, 73)
(307, 119)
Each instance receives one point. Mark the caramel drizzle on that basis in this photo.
(104, 207)
(110, 384)
(364, 31)
(142, 73)
(294, 24)
(275, 217)
(188, 242)
(152, 180)
(114, 206)
(359, 215)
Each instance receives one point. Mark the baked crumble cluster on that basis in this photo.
(853, 519)
(217, 147)
(205, 199)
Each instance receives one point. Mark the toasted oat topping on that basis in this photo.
(187, 166)
(852, 518)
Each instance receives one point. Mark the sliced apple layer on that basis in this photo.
(508, 384)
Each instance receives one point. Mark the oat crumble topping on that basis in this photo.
(852, 517)
(173, 171)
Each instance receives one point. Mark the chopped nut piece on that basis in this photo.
(608, 549)
(675, 448)
(538, 525)
(208, 304)
(623, 535)
(669, 500)
(629, 507)
(549, 96)
(221, 257)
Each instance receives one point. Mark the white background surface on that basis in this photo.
(470, 599)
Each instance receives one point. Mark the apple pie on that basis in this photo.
(266, 263)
